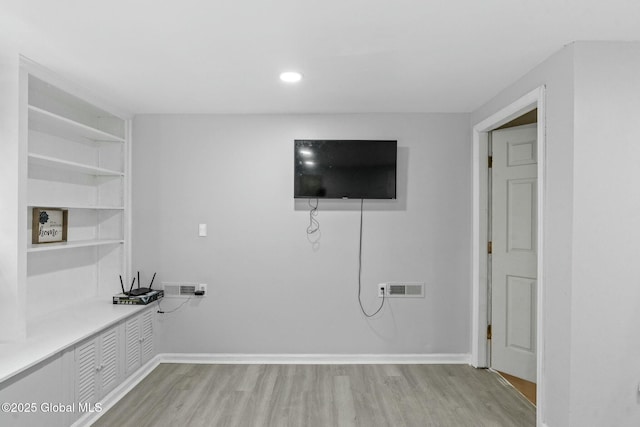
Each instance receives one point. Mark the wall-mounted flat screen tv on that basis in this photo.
(345, 169)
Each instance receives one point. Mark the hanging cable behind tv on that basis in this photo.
(360, 270)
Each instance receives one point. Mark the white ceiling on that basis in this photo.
(224, 56)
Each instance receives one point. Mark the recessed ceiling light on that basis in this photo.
(290, 77)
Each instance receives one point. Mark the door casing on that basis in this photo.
(480, 313)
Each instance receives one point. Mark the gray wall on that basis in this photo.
(605, 309)
(270, 290)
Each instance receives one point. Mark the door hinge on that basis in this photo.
(488, 332)
(489, 248)
(490, 162)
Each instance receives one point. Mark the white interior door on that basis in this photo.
(514, 251)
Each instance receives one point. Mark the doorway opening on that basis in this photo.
(481, 347)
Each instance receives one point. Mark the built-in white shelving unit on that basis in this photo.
(69, 342)
(77, 159)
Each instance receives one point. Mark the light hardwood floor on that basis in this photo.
(527, 388)
(320, 395)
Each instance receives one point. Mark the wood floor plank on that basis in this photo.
(320, 395)
(343, 401)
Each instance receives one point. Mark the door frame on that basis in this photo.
(480, 304)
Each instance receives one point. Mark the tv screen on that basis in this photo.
(345, 169)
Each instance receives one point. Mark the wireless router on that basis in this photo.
(139, 290)
(138, 296)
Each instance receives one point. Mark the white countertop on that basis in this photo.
(51, 334)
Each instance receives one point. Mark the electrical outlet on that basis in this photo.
(203, 287)
(382, 290)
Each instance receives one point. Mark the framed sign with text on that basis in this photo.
(49, 225)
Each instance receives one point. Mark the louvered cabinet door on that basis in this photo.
(97, 366)
(87, 367)
(109, 377)
(147, 336)
(132, 344)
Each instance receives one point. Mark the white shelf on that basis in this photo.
(71, 245)
(72, 206)
(38, 159)
(56, 123)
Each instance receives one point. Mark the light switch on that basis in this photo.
(202, 230)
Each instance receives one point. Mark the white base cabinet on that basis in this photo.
(77, 379)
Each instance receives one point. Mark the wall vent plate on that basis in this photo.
(179, 289)
(187, 289)
(404, 290)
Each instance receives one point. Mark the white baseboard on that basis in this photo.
(319, 359)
